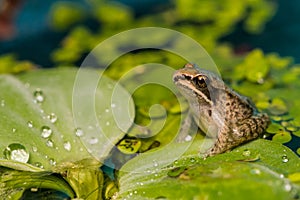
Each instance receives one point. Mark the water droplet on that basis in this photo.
(52, 162)
(52, 117)
(188, 138)
(38, 164)
(2, 102)
(281, 175)
(192, 160)
(49, 143)
(107, 123)
(46, 132)
(107, 110)
(93, 140)
(30, 124)
(38, 95)
(34, 149)
(246, 152)
(287, 187)
(155, 164)
(285, 159)
(79, 132)
(14, 130)
(255, 171)
(67, 146)
(16, 152)
(113, 105)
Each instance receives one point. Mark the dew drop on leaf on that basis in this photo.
(281, 175)
(52, 162)
(38, 164)
(79, 132)
(49, 143)
(67, 146)
(188, 138)
(155, 164)
(93, 140)
(16, 152)
(246, 152)
(285, 159)
(287, 187)
(30, 124)
(255, 171)
(2, 103)
(52, 117)
(46, 132)
(38, 96)
(34, 149)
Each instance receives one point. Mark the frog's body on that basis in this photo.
(219, 111)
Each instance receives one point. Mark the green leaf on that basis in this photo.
(255, 67)
(65, 14)
(14, 183)
(256, 170)
(49, 120)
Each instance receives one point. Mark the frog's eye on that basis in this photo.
(200, 81)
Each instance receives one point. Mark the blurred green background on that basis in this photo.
(33, 29)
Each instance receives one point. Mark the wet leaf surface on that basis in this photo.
(258, 169)
(40, 130)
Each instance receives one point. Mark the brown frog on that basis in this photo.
(221, 113)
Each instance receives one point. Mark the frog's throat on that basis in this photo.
(193, 88)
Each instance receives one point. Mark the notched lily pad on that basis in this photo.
(282, 136)
(274, 128)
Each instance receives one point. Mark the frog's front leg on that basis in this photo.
(187, 128)
(232, 135)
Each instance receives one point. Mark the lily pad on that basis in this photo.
(42, 128)
(226, 176)
(282, 137)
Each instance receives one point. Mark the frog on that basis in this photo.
(221, 113)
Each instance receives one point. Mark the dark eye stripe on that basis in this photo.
(200, 82)
(187, 77)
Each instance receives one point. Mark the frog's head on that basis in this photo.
(195, 82)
